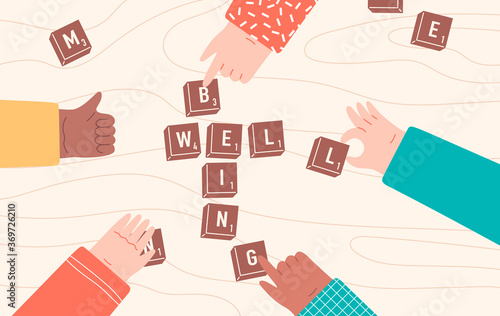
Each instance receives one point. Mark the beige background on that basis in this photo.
(387, 247)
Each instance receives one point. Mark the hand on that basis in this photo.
(120, 248)
(380, 138)
(84, 132)
(298, 280)
(237, 55)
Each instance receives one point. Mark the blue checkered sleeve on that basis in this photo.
(337, 299)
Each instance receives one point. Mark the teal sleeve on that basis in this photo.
(449, 179)
(337, 299)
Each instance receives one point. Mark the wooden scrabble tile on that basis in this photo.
(224, 140)
(200, 100)
(182, 141)
(219, 180)
(70, 43)
(266, 139)
(385, 6)
(245, 262)
(431, 31)
(156, 243)
(219, 221)
(327, 157)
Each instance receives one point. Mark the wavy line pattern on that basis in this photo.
(215, 201)
(49, 29)
(351, 244)
(424, 242)
(321, 83)
(104, 49)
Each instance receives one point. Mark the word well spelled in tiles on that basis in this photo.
(431, 31)
(327, 157)
(219, 180)
(70, 43)
(219, 221)
(266, 139)
(224, 140)
(385, 6)
(182, 141)
(200, 100)
(156, 243)
(245, 262)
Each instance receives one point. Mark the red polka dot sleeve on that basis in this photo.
(271, 22)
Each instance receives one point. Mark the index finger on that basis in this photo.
(212, 71)
(273, 273)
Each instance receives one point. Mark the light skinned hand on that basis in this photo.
(120, 248)
(380, 138)
(297, 281)
(237, 55)
(84, 132)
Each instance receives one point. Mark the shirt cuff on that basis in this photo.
(337, 299)
(409, 156)
(96, 272)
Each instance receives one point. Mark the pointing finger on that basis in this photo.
(212, 70)
(270, 270)
(210, 50)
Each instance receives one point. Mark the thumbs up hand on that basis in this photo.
(84, 132)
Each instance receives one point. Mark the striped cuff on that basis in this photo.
(337, 299)
(100, 276)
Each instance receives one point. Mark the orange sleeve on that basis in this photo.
(82, 285)
(29, 134)
(271, 22)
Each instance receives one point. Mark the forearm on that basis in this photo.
(337, 299)
(271, 23)
(82, 285)
(449, 179)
